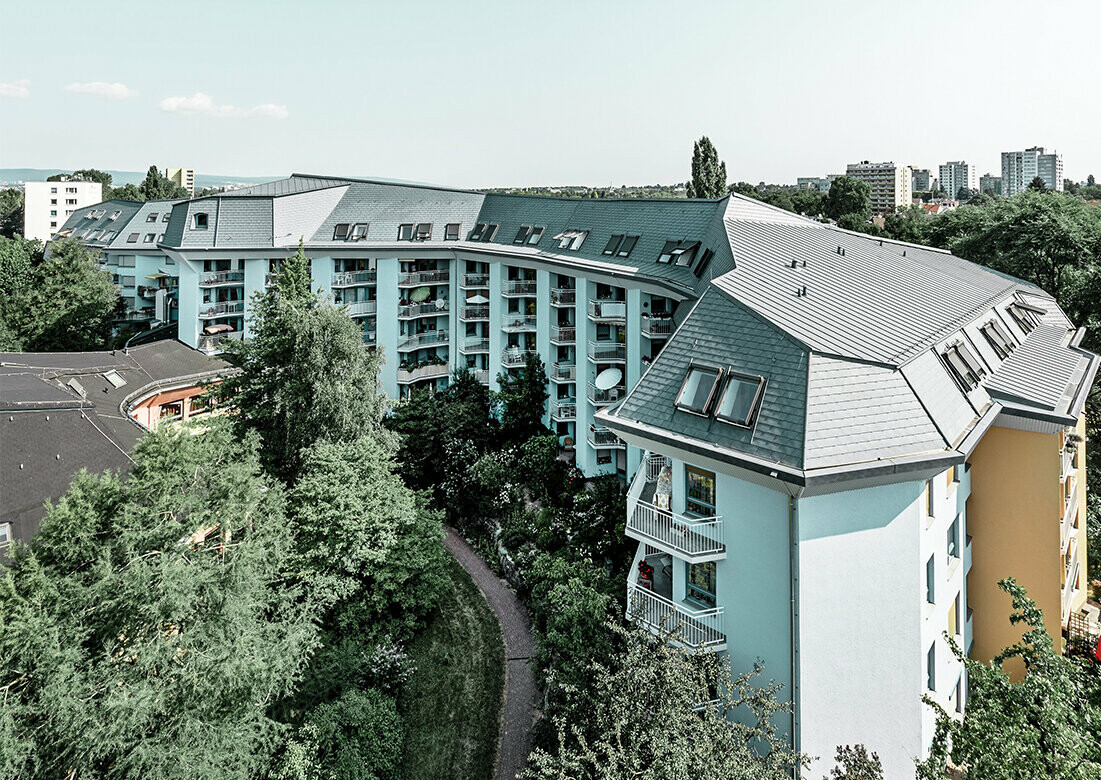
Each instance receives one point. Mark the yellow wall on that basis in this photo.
(1080, 600)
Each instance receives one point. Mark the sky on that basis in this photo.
(512, 93)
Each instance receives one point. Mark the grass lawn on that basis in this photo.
(452, 706)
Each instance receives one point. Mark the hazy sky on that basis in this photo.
(476, 94)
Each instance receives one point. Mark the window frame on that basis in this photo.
(490, 232)
(704, 474)
(197, 224)
(479, 229)
(354, 236)
(341, 231)
(705, 261)
(628, 245)
(536, 234)
(931, 667)
(952, 540)
(612, 247)
(452, 231)
(423, 231)
(705, 367)
(149, 238)
(931, 579)
(133, 238)
(970, 376)
(522, 235)
(151, 216)
(754, 406)
(698, 593)
(406, 231)
(167, 215)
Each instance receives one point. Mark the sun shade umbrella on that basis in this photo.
(477, 299)
(608, 378)
(420, 295)
(210, 330)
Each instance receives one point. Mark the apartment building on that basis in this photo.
(816, 183)
(922, 180)
(836, 473)
(891, 185)
(1020, 168)
(48, 204)
(127, 234)
(182, 177)
(956, 176)
(990, 184)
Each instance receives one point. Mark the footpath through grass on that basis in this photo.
(452, 706)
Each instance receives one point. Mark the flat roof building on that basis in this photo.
(182, 177)
(891, 185)
(1020, 168)
(48, 204)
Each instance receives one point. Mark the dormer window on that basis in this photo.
(698, 389)
(151, 217)
(479, 229)
(535, 234)
(405, 232)
(451, 231)
(115, 214)
(424, 231)
(571, 239)
(998, 339)
(964, 366)
(199, 221)
(740, 400)
(340, 231)
(359, 231)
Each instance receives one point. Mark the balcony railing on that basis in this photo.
(1070, 503)
(216, 278)
(350, 278)
(427, 339)
(361, 308)
(518, 287)
(608, 311)
(475, 281)
(434, 371)
(694, 628)
(563, 334)
(414, 278)
(213, 344)
(564, 410)
(694, 539)
(147, 291)
(432, 309)
(519, 323)
(481, 374)
(474, 313)
(600, 397)
(1067, 463)
(563, 296)
(514, 357)
(563, 372)
(474, 344)
(604, 439)
(607, 352)
(207, 310)
(655, 327)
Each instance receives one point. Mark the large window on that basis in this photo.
(701, 583)
(739, 401)
(698, 389)
(699, 491)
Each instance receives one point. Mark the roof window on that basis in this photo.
(115, 378)
(132, 238)
(424, 231)
(740, 400)
(627, 245)
(476, 234)
(451, 231)
(535, 234)
(115, 214)
(571, 239)
(613, 244)
(405, 232)
(522, 234)
(1024, 316)
(705, 261)
(490, 232)
(149, 237)
(199, 221)
(998, 339)
(359, 231)
(160, 238)
(151, 217)
(964, 366)
(166, 215)
(679, 252)
(698, 389)
(340, 231)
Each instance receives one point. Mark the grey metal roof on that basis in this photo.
(1044, 372)
(296, 184)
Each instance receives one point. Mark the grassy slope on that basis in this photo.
(452, 706)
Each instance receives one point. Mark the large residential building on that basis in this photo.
(891, 184)
(922, 180)
(956, 176)
(182, 177)
(48, 204)
(1020, 168)
(816, 183)
(834, 443)
(990, 184)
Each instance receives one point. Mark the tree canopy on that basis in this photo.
(848, 195)
(708, 174)
(523, 400)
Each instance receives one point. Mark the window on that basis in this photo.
(70, 189)
(930, 579)
(476, 234)
(167, 214)
(571, 239)
(699, 492)
(627, 245)
(698, 389)
(490, 232)
(70, 201)
(680, 252)
(149, 238)
(953, 541)
(931, 667)
(929, 498)
(53, 189)
(535, 234)
(953, 475)
(110, 235)
(53, 224)
(199, 221)
(700, 583)
(954, 617)
(1022, 316)
(522, 234)
(53, 212)
(739, 401)
(152, 217)
(53, 201)
(997, 338)
(132, 238)
(340, 231)
(424, 231)
(160, 238)
(405, 232)
(118, 213)
(451, 231)
(613, 244)
(359, 231)
(964, 366)
(705, 261)
(5, 534)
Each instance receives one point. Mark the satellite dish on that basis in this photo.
(608, 378)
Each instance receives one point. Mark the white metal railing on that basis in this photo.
(423, 277)
(607, 352)
(563, 296)
(604, 397)
(424, 339)
(219, 309)
(424, 372)
(608, 311)
(361, 308)
(688, 537)
(474, 344)
(654, 326)
(479, 281)
(474, 313)
(412, 310)
(522, 287)
(514, 357)
(481, 374)
(564, 372)
(1067, 464)
(604, 439)
(564, 410)
(221, 277)
(654, 464)
(1070, 504)
(517, 323)
(694, 628)
(565, 334)
(349, 278)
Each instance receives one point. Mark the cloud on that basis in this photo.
(200, 103)
(114, 91)
(19, 89)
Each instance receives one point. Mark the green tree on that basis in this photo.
(810, 203)
(1090, 181)
(523, 401)
(18, 258)
(1038, 185)
(292, 282)
(129, 192)
(148, 629)
(1047, 725)
(158, 187)
(11, 213)
(855, 763)
(908, 223)
(849, 195)
(708, 174)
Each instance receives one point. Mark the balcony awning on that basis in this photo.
(156, 276)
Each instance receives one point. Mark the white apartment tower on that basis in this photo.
(1020, 168)
(48, 204)
(955, 176)
(182, 177)
(891, 184)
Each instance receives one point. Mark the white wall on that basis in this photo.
(39, 221)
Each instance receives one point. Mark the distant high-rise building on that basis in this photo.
(819, 184)
(922, 180)
(1020, 168)
(991, 184)
(182, 177)
(891, 184)
(955, 176)
(47, 204)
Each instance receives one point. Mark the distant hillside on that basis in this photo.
(119, 178)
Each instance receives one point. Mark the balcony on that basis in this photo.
(519, 323)
(695, 540)
(147, 291)
(474, 282)
(370, 338)
(474, 313)
(416, 278)
(598, 397)
(655, 328)
(427, 339)
(514, 357)
(967, 556)
(1067, 463)
(564, 410)
(219, 278)
(608, 311)
(352, 278)
(361, 308)
(474, 345)
(481, 374)
(604, 439)
(607, 352)
(563, 296)
(563, 334)
(435, 308)
(695, 628)
(210, 310)
(212, 345)
(434, 371)
(563, 372)
(518, 288)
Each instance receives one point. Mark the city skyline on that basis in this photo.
(601, 102)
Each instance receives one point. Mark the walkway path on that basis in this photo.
(518, 713)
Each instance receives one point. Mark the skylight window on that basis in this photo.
(115, 214)
(998, 339)
(359, 231)
(149, 237)
(160, 238)
(151, 217)
(405, 232)
(740, 399)
(451, 231)
(167, 214)
(535, 234)
(705, 261)
(522, 234)
(698, 389)
(490, 232)
(424, 231)
(132, 238)
(613, 245)
(340, 231)
(679, 252)
(1023, 316)
(964, 366)
(627, 245)
(115, 378)
(571, 239)
(480, 228)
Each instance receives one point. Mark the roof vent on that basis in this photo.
(801, 292)
(904, 253)
(804, 263)
(794, 263)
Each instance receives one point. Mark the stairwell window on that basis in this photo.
(740, 400)
(931, 667)
(952, 545)
(930, 580)
(700, 583)
(699, 492)
(698, 389)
